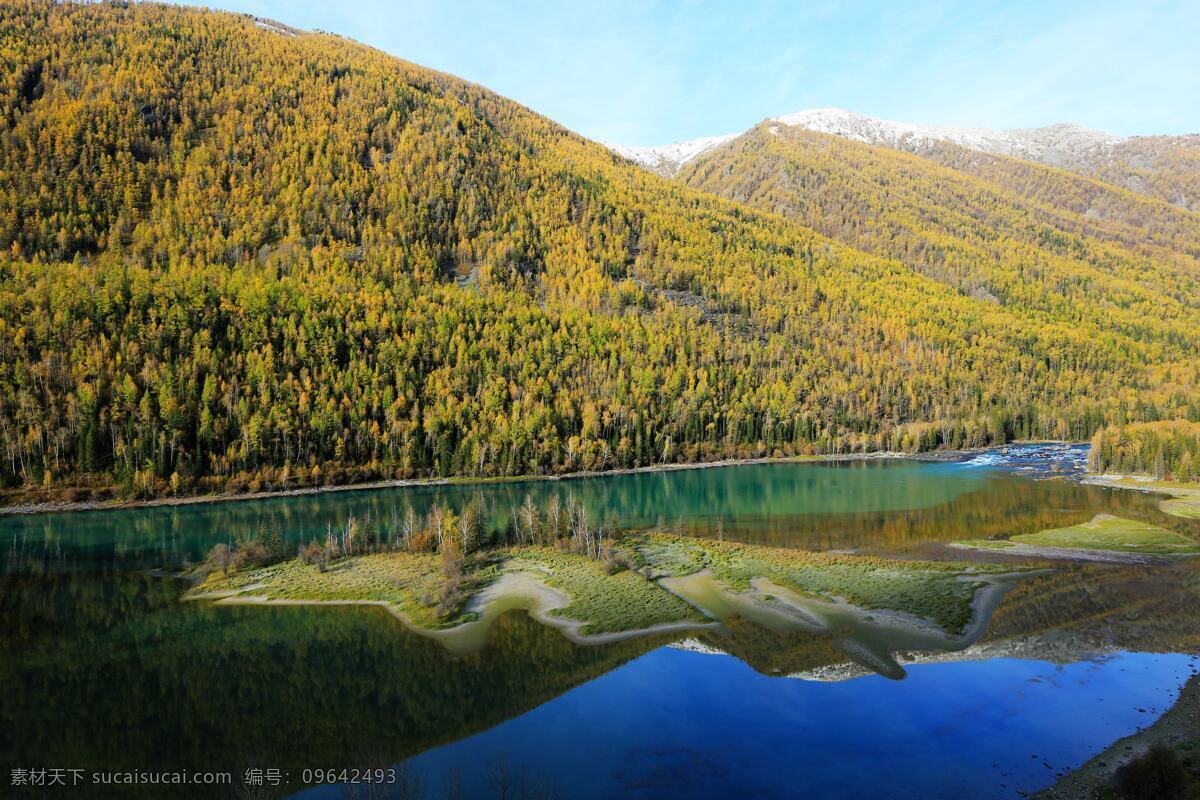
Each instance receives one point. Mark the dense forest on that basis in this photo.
(240, 256)
(1166, 450)
(1043, 243)
(1167, 167)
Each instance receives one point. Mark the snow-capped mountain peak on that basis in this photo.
(667, 159)
(1058, 145)
(1053, 144)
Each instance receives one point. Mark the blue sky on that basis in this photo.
(648, 73)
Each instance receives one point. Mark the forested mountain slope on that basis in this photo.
(1166, 167)
(1163, 167)
(241, 255)
(1038, 241)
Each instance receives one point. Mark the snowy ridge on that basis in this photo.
(1056, 145)
(272, 25)
(1053, 144)
(667, 159)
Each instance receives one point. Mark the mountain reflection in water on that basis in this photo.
(105, 669)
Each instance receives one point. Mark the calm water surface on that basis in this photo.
(103, 667)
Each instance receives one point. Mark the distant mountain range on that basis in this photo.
(1167, 167)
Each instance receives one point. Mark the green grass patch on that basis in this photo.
(608, 603)
(1188, 508)
(1114, 534)
(410, 581)
(1110, 534)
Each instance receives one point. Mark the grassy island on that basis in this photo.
(597, 588)
(1104, 534)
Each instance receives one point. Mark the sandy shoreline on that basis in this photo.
(1142, 483)
(1179, 723)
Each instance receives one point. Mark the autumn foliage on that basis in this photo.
(240, 257)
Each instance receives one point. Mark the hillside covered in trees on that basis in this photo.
(237, 255)
(1166, 167)
(1040, 242)
(1167, 450)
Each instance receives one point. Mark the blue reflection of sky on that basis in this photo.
(679, 724)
